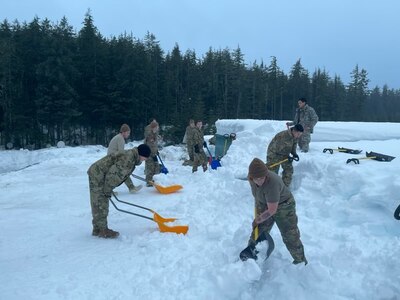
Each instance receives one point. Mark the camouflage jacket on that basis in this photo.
(117, 144)
(282, 144)
(307, 117)
(151, 139)
(115, 168)
(189, 135)
(198, 137)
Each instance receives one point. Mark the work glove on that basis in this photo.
(296, 157)
(196, 148)
(204, 144)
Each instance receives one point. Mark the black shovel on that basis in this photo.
(372, 155)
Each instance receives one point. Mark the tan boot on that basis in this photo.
(108, 233)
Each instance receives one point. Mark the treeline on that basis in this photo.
(79, 87)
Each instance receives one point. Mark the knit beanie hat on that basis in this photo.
(298, 127)
(257, 169)
(144, 150)
(124, 128)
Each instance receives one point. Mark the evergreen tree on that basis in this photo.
(357, 94)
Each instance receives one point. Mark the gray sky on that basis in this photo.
(334, 35)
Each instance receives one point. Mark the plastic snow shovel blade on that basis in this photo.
(215, 164)
(379, 157)
(167, 189)
(159, 219)
(175, 229)
(164, 170)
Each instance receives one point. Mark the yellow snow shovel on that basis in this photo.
(156, 218)
(162, 189)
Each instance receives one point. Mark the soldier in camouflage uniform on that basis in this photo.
(188, 139)
(152, 167)
(283, 144)
(200, 158)
(105, 175)
(274, 204)
(307, 117)
(117, 144)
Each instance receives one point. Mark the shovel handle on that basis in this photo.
(142, 207)
(140, 178)
(355, 160)
(397, 213)
(128, 212)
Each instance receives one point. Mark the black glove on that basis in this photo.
(204, 144)
(292, 158)
(196, 148)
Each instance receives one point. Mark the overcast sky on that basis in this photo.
(334, 35)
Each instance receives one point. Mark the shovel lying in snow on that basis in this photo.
(162, 189)
(156, 218)
(397, 213)
(372, 155)
(344, 150)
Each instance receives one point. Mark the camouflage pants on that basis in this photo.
(128, 182)
(286, 220)
(287, 167)
(200, 159)
(152, 167)
(304, 141)
(190, 151)
(98, 201)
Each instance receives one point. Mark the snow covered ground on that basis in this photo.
(351, 239)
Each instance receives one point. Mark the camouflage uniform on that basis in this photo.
(307, 117)
(189, 142)
(200, 158)
(117, 144)
(274, 190)
(152, 167)
(105, 175)
(279, 148)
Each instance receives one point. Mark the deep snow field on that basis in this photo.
(351, 240)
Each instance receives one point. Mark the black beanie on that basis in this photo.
(144, 150)
(298, 127)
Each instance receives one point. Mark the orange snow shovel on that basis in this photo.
(162, 189)
(156, 218)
